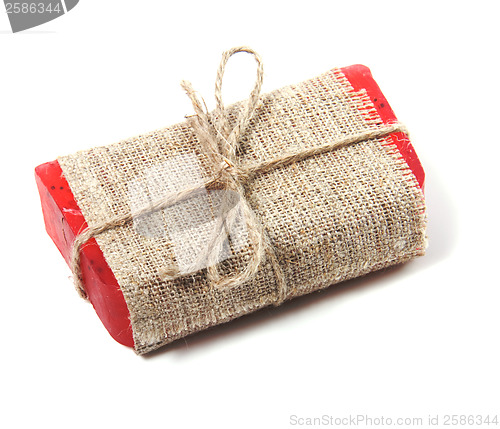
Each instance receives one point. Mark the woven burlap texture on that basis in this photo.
(330, 218)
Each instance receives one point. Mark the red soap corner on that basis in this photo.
(63, 222)
(360, 78)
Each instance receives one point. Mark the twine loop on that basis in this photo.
(220, 142)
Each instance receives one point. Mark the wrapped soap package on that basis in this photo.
(196, 224)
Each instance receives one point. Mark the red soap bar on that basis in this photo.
(64, 219)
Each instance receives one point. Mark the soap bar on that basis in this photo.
(64, 220)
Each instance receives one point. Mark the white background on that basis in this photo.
(415, 341)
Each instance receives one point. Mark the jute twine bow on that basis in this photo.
(220, 144)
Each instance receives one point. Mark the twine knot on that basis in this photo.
(220, 144)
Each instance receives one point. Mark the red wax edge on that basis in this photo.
(361, 77)
(64, 220)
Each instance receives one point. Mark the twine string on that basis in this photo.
(220, 144)
(218, 140)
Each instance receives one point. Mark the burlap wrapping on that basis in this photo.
(330, 218)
